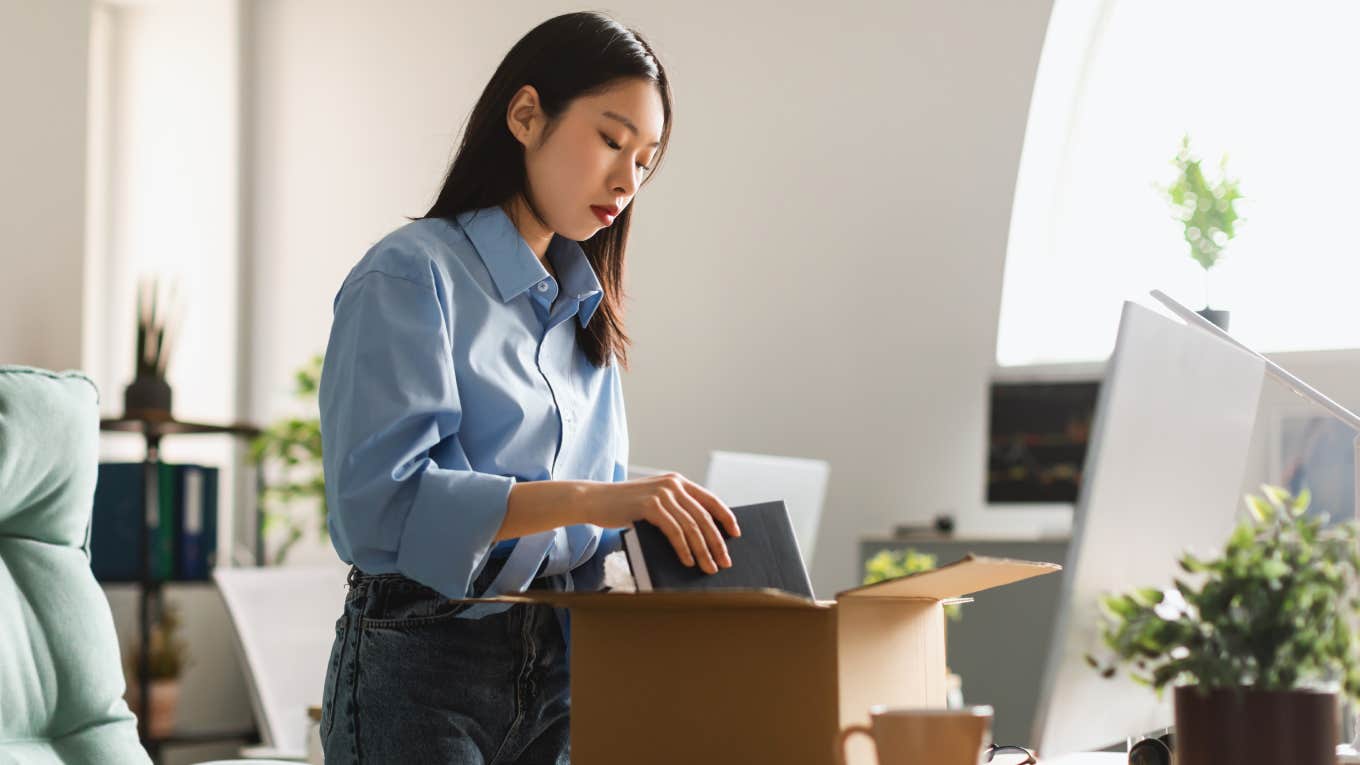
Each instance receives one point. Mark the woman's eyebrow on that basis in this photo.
(628, 124)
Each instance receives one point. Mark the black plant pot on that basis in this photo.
(1243, 726)
(1216, 317)
(147, 397)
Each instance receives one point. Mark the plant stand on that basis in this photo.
(149, 587)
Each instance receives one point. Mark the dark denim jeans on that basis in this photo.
(410, 683)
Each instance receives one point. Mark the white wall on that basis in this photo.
(815, 270)
(43, 86)
(163, 199)
(166, 194)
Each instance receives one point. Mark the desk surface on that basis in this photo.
(1093, 758)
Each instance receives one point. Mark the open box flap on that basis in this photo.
(670, 599)
(964, 577)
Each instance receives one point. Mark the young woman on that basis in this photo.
(473, 421)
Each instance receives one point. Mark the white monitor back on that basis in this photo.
(284, 618)
(1167, 460)
(742, 479)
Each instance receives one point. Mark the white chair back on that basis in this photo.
(284, 619)
(742, 479)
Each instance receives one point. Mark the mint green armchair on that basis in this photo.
(61, 681)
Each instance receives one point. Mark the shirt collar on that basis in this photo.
(514, 268)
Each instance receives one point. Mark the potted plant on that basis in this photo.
(291, 448)
(1260, 646)
(1207, 211)
(149, 396)
(167, 657)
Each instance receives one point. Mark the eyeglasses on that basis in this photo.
(1152, 751)
(994, 750)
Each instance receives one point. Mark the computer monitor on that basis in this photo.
(1168, 456)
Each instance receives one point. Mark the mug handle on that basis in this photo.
(845, 737)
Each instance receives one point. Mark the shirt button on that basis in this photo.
(542, 286)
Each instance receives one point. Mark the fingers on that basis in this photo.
(714, 549)
(689, 525)
(688, 515)
(715, 508)
(702, 534)
(659, 516)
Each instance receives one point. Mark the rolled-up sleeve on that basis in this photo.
(388, 396)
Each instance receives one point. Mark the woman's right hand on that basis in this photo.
(686, 513)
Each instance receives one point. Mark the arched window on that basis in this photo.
(1119, 82)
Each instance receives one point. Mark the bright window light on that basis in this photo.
(1119, 83)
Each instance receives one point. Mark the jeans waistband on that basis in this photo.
(358, 578)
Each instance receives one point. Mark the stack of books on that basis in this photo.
(183, 542)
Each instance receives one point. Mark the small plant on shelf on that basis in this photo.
(158, 323)
(167, 657)
(290, 449)
(1207, 212)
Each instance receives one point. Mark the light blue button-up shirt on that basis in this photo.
(452, 372)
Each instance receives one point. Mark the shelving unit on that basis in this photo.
(148, 586)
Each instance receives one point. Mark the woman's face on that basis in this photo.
(590, 165)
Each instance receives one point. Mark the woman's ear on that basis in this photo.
(524, 116)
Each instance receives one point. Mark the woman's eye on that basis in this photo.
(611, 144)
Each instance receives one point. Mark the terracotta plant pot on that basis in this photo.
(1244, 726)
(164, 703)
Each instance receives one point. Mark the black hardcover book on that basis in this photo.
(765, 555)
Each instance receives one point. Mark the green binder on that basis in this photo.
(163, 543)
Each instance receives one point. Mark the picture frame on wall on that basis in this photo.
(1038, 433)
(1313, 450)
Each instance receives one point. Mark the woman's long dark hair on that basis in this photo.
(564, 58)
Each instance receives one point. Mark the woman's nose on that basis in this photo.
(625, 184)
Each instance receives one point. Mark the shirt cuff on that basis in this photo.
(443, 543)
(589, 576)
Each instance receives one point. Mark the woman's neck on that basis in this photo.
(535, 234)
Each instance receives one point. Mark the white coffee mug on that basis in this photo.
(904, 736)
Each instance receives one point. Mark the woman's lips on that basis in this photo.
(603, 214)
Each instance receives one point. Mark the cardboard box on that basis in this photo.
(754, 677)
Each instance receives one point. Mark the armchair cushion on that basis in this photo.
(61, 680)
